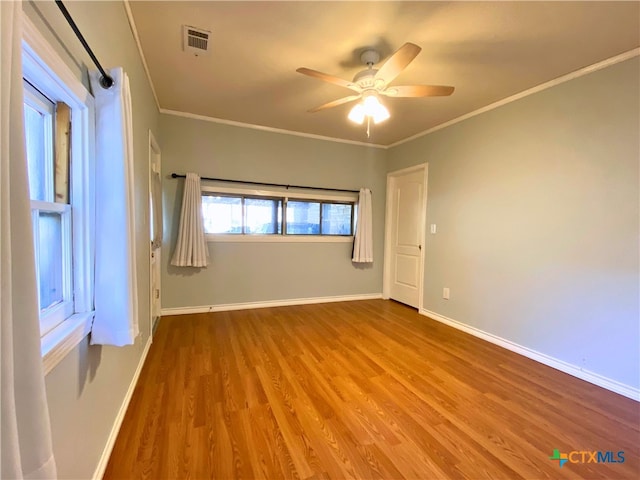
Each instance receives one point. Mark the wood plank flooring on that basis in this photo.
(367, 390)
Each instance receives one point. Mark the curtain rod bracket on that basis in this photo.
(106, 82)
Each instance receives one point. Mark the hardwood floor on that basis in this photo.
(363, 390)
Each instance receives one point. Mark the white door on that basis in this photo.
(155, 208)
(405, 234)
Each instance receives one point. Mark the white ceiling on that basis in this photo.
(487, 50)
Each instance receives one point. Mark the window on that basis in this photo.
(337, 218)
(59, 126)
(236, 214)
(308, 217)
(242, 214)
(51, 220)
(303, 217)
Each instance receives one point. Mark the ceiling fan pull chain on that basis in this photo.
(368, 126)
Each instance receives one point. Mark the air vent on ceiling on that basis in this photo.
(195, 40)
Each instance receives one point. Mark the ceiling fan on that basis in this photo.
(370, 83)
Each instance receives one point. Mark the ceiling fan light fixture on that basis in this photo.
(377, 111)
(357, 114)
(382, 115)
(370, 107)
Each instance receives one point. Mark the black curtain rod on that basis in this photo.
(176, 175)
(105, 80)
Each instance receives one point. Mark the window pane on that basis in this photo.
(263, 216)
(50, 259)
(222, 214)
(303, 218)
(34, 125)
(336, 219)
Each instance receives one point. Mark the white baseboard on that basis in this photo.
(552, 362)
(117, 423)
(269, 303)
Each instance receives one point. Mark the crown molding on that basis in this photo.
(134, 31)
(543, 86)
(268, 129)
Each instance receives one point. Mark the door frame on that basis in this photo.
(386, 275)
(155, 156)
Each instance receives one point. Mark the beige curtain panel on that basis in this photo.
(191, 248)
(363, 242)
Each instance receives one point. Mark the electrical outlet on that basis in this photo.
(434, 228)
(445, 293)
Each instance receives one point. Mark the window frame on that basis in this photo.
(43, 68)
(53, 315)
(243, 208)
(323, 202)
(260, 197)
(37, 101)
(285, 195)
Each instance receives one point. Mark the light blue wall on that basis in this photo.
(536, 204)
(537, 213)
(258, 272)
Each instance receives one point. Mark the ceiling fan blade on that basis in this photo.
(398, 62)
(328, 78)
(335, 103)
(418, 91)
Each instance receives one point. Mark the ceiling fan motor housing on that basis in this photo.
(370, 57)
(366, 78)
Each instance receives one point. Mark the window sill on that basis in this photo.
(279, 238)
(56, 344)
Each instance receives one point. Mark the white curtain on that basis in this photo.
(363, 242)
(191, 248)
(116, 286)
(26, 450)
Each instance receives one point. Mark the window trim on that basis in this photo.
(285, 194)
(55, 314)
(57, 81)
